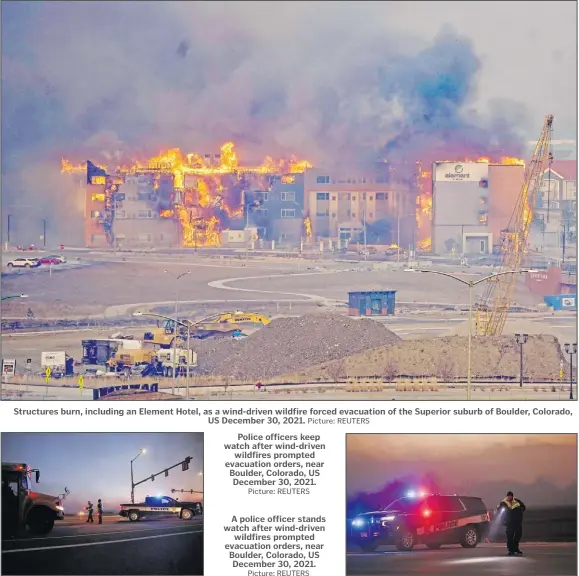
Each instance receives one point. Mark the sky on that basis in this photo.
(94, 466)
(340, 83)
(540, 468)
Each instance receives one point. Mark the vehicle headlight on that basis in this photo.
(387, 518)
(357, 522)
(61, 508)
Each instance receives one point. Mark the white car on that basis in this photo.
(24, 263)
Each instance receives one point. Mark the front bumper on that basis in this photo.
(60, 514)
(369, 534)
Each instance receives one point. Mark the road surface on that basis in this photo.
(156, 547)
(487, 559)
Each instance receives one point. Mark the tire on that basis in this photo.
(406, 541)
(134, 516)
(433, 546)
(9, 265)
(27, 266)
(187, 514)
(470, 537)
(41, 520)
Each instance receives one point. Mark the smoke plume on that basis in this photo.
(338, 83)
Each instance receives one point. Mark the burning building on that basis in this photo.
(177, 200)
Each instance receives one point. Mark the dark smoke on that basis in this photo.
(328, 81)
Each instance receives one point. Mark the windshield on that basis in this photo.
(403, 505)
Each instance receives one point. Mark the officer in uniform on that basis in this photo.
(90, 511)
(511, 510)
(100, 510)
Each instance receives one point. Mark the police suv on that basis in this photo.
(431, 519)
(160, 507)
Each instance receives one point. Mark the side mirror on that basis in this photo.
(37, 476)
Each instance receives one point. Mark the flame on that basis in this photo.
(308, 227)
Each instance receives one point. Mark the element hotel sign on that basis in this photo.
(460, 171)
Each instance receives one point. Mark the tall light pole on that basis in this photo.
(521, 339)
(177, 278)
(471, 285)
(15, 296)
(571, 349)
(141, 451)
(187, 325)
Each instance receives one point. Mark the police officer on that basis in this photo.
(511, 511)
(100, 511)
(90, 511)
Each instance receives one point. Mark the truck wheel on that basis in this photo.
(41, 520)
(27, 266)
(187, 514)
(134, 516)
(406, 540)
(470, 537)
(9, 264)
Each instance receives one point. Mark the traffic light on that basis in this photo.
(153, 478)
(166, 473)
(185, 464)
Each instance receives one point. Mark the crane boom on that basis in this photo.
(497, 298)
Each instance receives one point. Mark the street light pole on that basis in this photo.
(471, 286)
(571, 349)
(177, 278)
(521, 340)
(141, 451)
(15, 296)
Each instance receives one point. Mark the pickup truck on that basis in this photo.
(159, 507)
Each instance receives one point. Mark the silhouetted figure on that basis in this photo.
(90, 511)
(511, 510)
(100, 510)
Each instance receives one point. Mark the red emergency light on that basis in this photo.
(426, 513)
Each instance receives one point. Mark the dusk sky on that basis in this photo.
(94, 466)
(540, 468)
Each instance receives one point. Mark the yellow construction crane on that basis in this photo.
(498, 296)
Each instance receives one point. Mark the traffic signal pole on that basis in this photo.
(184, 467)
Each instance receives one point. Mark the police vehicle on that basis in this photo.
(431, 519)
(159, 507)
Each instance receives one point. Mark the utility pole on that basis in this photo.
(8, 223)
(364, 223)
(44, 232)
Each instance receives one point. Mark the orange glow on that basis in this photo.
(203, 185)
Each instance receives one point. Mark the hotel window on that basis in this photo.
(288, 196)
(323, 180)
(288, 213)
(323, 196)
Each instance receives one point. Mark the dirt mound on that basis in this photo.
(447, 358)
(291, 344)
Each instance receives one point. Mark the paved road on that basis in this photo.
(486, 560)
(156, 547)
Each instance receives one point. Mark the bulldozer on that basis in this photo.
(216, 325)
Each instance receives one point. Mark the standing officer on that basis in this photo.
(90, 511)
(511, 510)
(100, 511)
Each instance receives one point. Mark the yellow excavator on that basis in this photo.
(216, 325)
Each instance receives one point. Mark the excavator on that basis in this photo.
(216, 325)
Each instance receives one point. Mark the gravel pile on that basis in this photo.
(447, 358)
(292, 344)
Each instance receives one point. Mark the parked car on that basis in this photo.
(53, 260)
(24, 263)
